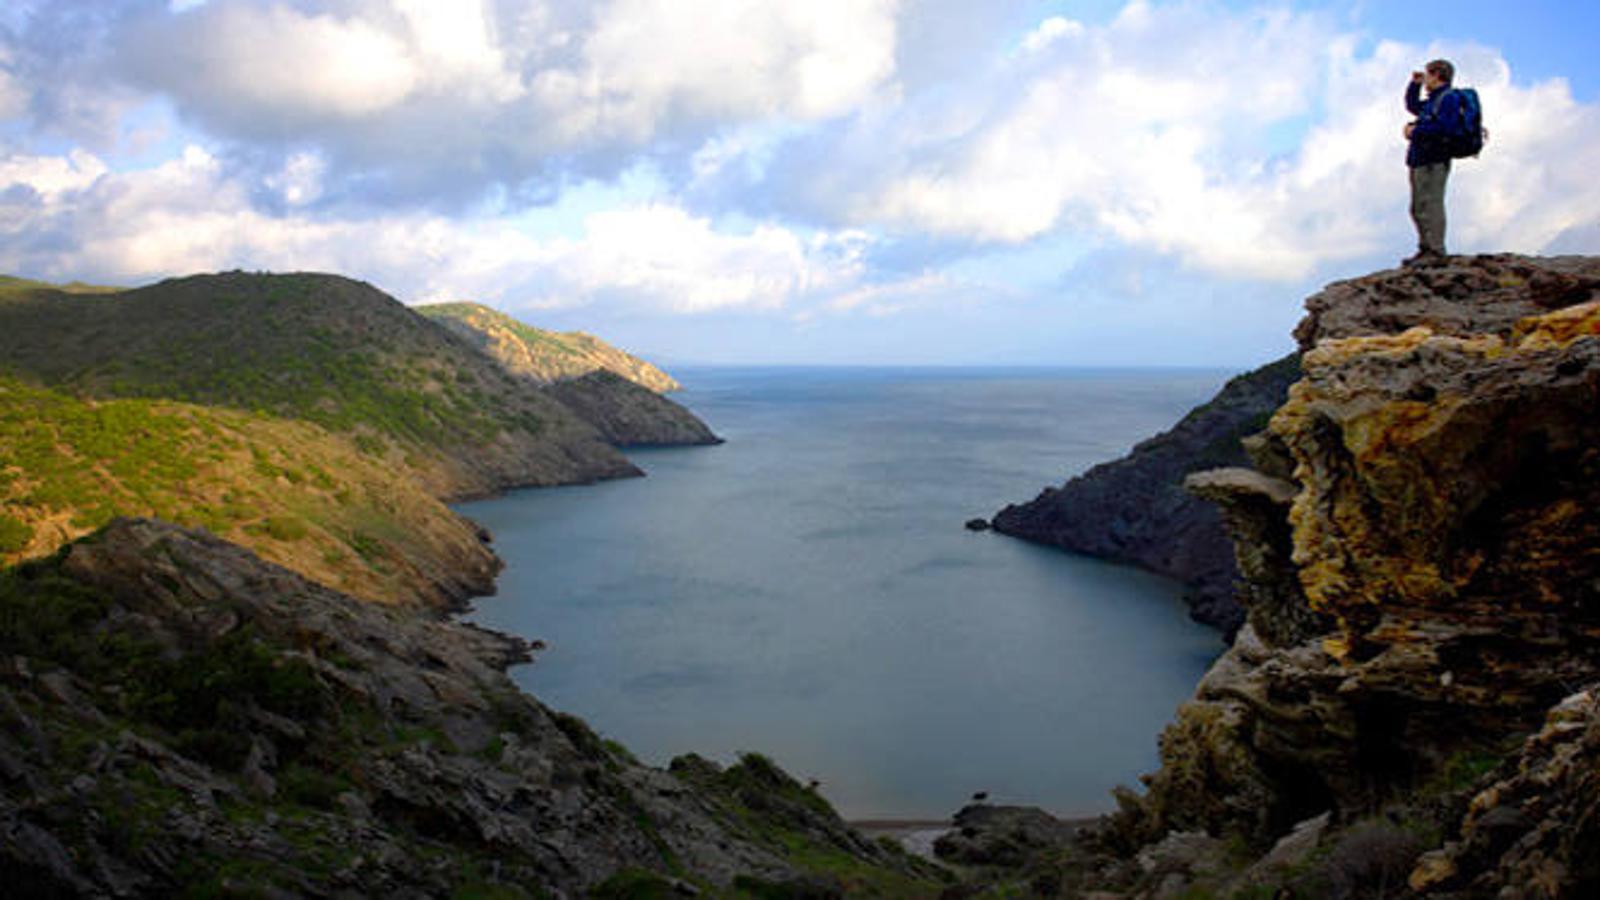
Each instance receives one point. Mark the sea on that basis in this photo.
(807, 589)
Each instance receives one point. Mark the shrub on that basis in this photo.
(286, 528)
(634, 884)
(14, 534)
(1372, 859)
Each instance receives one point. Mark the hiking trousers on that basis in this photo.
(1427, 205)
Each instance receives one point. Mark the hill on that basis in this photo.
(619, 394)
(544, 356)
(11, 284)
(298, 495)
(320, 349)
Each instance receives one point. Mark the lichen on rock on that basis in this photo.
(1423, 586)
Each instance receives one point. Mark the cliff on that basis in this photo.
(615, 392)
(1135, 509)
(628, 415)
(178, 716)
(544, 356)
(1409, 709)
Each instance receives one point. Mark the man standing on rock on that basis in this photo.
(1428, 156)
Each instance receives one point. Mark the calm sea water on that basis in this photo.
(807, 589)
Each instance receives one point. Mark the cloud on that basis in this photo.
(434, 101)
(71, 217)
(14, 95)
(882, 148)
(649, 61)
(1183, 129)
(48, 177)
(1049, 31)
(256, 70)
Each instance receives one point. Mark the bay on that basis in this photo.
(807, 590)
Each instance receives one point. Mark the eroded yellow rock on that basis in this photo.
(1556, 330)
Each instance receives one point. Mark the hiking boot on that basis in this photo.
(1424, 258)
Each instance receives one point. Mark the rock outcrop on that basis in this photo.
(1423, 587)
(628, 415)
(615, 392)
(544, 356)
(1135, 509)
(178, 715)
(1003, 836)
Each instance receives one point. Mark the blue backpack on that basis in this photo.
(1469, 134)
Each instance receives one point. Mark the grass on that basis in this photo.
(765, 804)
(293, 493)
(306, 347)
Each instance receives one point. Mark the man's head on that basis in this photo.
(1439, 74)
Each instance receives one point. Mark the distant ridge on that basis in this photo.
(545, 356)
(616, 392)
(10, 284)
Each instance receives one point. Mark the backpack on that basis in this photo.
(1469, 135)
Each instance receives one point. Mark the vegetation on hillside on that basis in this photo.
(295, 494)
(545, 356)
(163, 742)
(314, 348)
(11, 285)
(307, 347)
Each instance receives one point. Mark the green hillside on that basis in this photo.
(294, 493)
(544, 356)
(11, 284)
(314, 348)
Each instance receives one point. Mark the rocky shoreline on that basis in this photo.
(178, 714)
(1135, 509)
(1409, 710)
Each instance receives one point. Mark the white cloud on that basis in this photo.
(1049, 31)
(188, 215)
(1165, 129)
(1252, 144)
(50, 176)
(300, 181)
(248, 63)
(648, 60)
(471, 93)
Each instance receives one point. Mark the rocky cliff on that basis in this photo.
(544, 356)
(1409, 709)
(1135, 509)
(628, 415)
(615, 392)
(178, 716)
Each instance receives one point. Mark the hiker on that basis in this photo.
(1428, 155)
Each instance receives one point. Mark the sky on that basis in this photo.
(891, 182)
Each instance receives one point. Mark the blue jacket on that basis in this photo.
(1437, 117)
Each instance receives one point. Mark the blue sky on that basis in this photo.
(753, 181)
